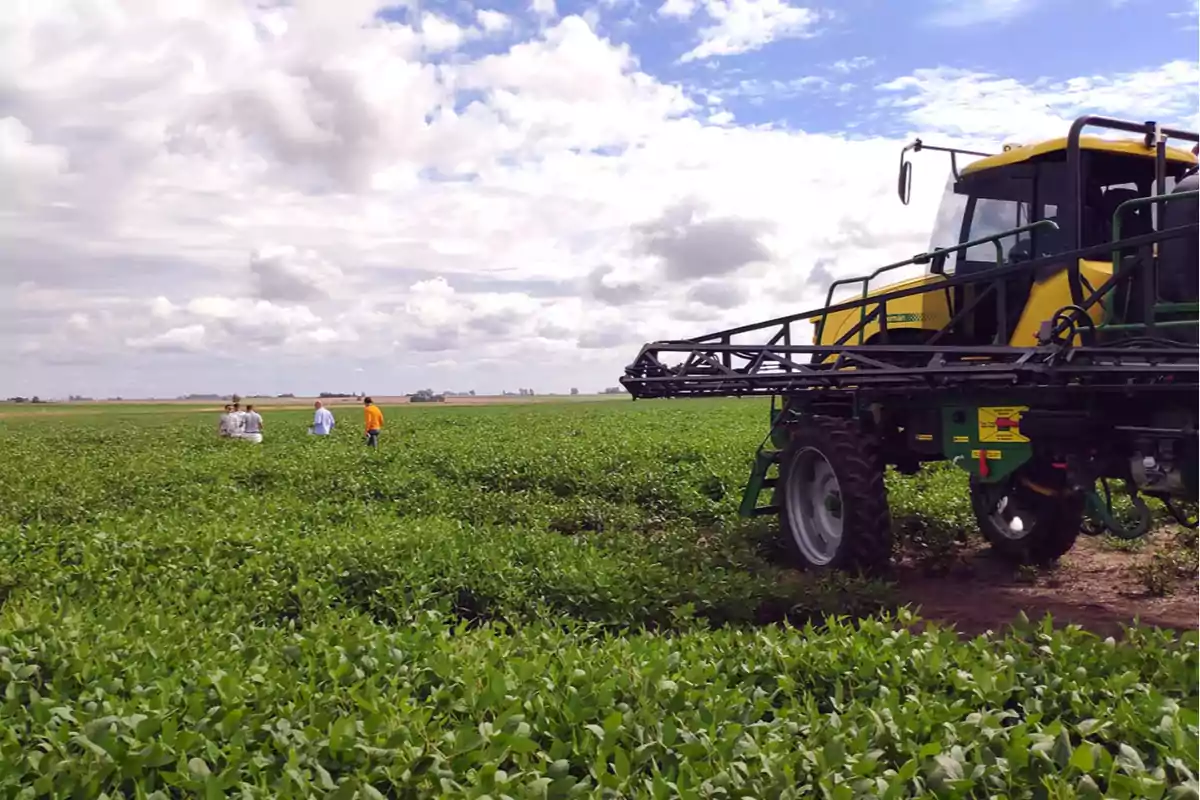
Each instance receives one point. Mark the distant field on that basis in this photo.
(271, 403)
(525, 600)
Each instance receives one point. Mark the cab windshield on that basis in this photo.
(1001, 198)
(988, 216)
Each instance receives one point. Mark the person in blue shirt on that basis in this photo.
(322, 420)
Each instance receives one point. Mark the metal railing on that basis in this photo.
(924, 258)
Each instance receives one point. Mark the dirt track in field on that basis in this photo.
(1094, 586)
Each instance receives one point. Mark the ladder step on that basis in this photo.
(763, 460)
(763, 511)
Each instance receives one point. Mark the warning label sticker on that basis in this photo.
(1001, 424)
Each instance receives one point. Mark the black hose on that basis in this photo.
(1090, 526)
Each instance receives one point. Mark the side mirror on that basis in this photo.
(904, 178)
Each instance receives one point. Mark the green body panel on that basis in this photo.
(763, 460)
(962, 442)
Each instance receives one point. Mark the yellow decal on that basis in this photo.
(1001, 424)
(924, 437)
(992, 455)
(961, 439)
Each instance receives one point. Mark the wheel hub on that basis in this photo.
(1010, 515)
(815, 509)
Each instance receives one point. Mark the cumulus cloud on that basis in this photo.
(607, 288)
(217, 194)
(189, 338)
(982, 105)
(718, 294)
(281, 273)
(741, 26)
(492, 21)
(690, 245)
(25, 165)
(677, 8)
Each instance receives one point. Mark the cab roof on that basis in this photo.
(1015, 154)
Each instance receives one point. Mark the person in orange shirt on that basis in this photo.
(374, 421)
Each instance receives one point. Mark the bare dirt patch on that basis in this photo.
(1094, 586)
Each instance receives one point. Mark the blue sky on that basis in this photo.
(825, 80)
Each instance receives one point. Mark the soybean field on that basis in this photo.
(550, 601)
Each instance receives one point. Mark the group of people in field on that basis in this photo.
(238, 424)
(247, 425)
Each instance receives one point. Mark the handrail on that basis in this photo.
(1141, 201)
(925, 258)
(1150, 297)
(1124, 273)
(1105, 293)
(1156, 137)
(1057, 260)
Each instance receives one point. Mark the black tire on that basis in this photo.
(852, 455)
(1051, 522)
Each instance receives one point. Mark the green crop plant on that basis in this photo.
(526, 601)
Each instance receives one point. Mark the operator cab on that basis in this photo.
(1026, 184)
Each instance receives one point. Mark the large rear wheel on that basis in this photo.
(1028, 518)
(833, 507)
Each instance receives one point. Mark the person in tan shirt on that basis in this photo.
(374, 421)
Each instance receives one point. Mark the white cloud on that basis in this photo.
(848, 65)
(283, 273)
(492, 21)
(161, 307)
(25, 164)
(439, 33)
(543, 8)
(682, 9)
(216, 197)
(741, 26)
(979, 105)
(189, 338)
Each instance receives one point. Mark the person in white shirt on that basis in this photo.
(322, 420)
(252, 425)
(227, 428)
(237, 420)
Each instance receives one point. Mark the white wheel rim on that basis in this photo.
(814, 505)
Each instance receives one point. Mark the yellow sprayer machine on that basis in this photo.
(1050, 347)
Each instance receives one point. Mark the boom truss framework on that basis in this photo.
(1145, 359)
(726, 369)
